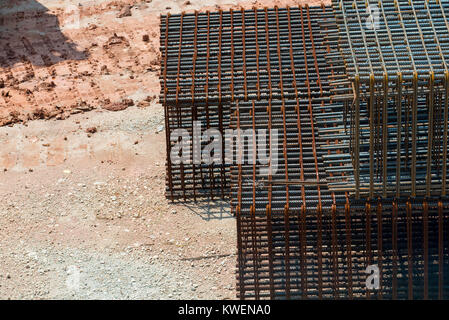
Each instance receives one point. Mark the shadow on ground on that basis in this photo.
(29, 33)
(210, 209)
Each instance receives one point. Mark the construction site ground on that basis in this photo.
(82, 163)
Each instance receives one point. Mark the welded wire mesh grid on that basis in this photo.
(297, 181)
(223, 56)
(399, 116)
(398, 147)
(212, 59)
(299, 240)
(299, 236)
(393, 37)
(305, 255)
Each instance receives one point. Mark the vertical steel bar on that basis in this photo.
(267, 39)
(335, 252)
(270, 194)
(426, 248)
(301, 216)
(385, 136)
(239, 206)
(414, 99)
(440, 251)
(253, 207)
(394, 246)
(409, 250)
(245, 85)
(357, 138)
(379, 245)
(319, 213)
(256, 20)
(206, 89)
(414, 131)
(241, 254)
(399, 131)
(281, 84)
(220, 107)
(231, 13)
(270, 250)
(304, 273)
(287, 251)
(348, 247)
(194, 108)
(368, 238)
(178, 107)
(284, 144)
(166, 113)
(371, 135)
(255, 253)
(286, 208)
(430, 134)
(445, 132)
(297, 108)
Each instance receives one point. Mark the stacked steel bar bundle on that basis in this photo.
(191, 47)
(266, 205)
(298, 56)
(299, 239)
(396, 54)
(302, 232)
(210, 60)
(298, 255)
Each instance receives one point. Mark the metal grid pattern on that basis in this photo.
(298, 238)
(223, 56)
(191, 47)
(298, 183)
(210, 60)
(403, 37)
(401, 86)
(400, 152)
(302, 255)
(300, 232)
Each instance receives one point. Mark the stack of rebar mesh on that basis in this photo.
(398, 64)
(349, 187)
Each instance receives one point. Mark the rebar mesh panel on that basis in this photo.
(303, 255)
(296, 181)
(213, 59)
(393, 37)
(399, 116)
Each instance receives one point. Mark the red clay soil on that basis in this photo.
(61, 59)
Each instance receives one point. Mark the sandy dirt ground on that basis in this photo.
(97, 204)
(82, 208)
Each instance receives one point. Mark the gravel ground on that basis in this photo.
(91, 206)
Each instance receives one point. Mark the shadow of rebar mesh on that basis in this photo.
(210, 209)
(300, 232)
